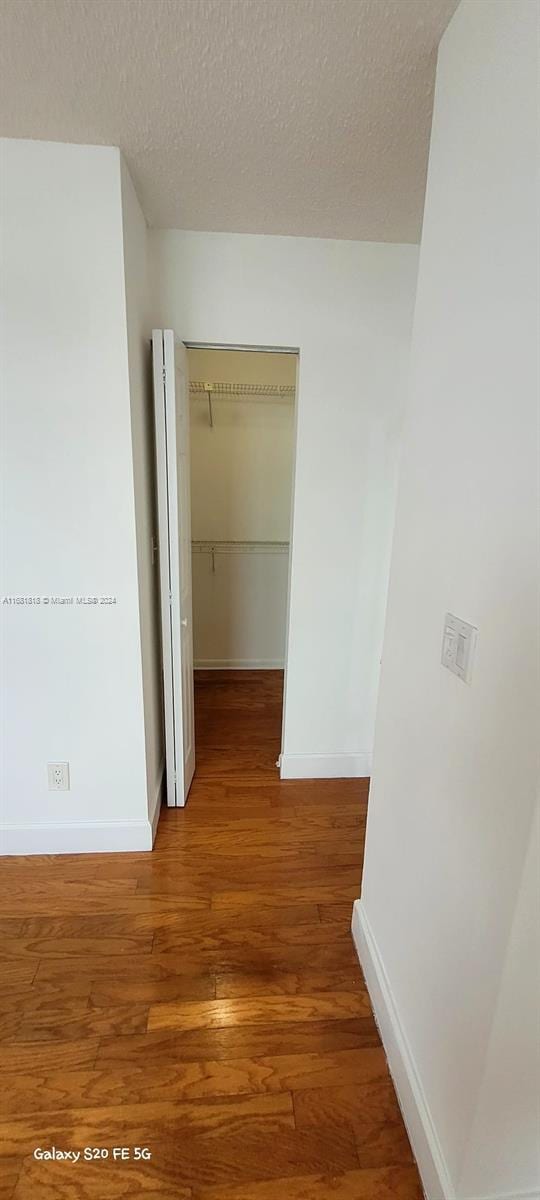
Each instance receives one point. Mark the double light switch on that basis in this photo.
(459, 643)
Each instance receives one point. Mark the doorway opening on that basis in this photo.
(226, 443)
(242, 423)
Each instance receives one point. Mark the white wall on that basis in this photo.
(240, 609)
(72, 673)
(241, 484)
(442, 926)
(139, 329)
(347, 306)
(503, 1143)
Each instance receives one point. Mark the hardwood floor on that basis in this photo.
(203, 1001)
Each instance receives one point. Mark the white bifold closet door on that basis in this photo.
(171, 394)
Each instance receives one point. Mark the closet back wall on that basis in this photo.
(241, 479)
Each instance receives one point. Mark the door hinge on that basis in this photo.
(170, 597)
(163, 375)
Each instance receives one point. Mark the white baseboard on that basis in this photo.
(423, 1137)
(422, 1134)
(155, 809)
(528, 1195)
(325, 766)
(239, 664)
(91, 837)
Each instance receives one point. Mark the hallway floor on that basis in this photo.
(205, 1001)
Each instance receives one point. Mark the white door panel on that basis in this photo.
(172, 448)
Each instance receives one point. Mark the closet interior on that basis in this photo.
(242, 417)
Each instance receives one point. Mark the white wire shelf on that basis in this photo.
(269, 391)
(239, 547)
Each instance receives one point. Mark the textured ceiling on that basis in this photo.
(306, 117)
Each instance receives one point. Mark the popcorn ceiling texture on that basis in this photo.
(304, 117)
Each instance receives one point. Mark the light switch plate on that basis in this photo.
(458, 647)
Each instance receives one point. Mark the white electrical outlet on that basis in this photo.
(58, 776)
(458, 647)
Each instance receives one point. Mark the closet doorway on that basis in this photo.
(237, 406)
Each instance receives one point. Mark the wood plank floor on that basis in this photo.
(204, 1001)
